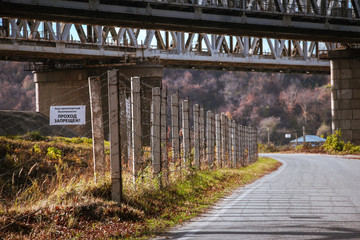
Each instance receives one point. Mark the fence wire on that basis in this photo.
(167, 146)
(213, 142)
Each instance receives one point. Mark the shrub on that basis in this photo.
(264, 148)
(334, 142)
(53, 153)
(355, 149)
(34, 136)
(298, 148)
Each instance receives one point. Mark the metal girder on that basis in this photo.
(318, 20)
(39, 41)
(356, 6)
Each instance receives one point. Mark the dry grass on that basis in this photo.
(49, 194)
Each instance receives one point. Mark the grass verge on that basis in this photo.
(50, 193)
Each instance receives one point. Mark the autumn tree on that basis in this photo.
(17, 88)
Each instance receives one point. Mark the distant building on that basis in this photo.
(312, 139)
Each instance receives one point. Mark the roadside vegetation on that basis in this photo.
(47, 191)
(334, 144)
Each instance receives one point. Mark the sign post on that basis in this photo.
(67, 115)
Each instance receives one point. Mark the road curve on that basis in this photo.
(309, 197)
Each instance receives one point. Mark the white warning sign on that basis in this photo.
(67, 115)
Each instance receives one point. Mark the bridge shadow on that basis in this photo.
(294, 232)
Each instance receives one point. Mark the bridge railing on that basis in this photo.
(312, 20)
(329, 8)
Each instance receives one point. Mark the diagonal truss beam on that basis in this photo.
(106, 41)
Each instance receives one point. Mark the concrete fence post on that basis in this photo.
(213, 130)
(163, 132)
(241, 145)
(136, 127)
(257, 147)
(208, 138)
(249, 140)
(238, 131)
(186, 133)
(229, 127)
(97, 126)
(196, 112)
(202, 135)
(234, 144)
(129, 131)
(218, 139)
(253, 144)
(250, 145)
(223, 139)
(175, 127)
(115, 143)
(155, 131)
(247, 144)
(227, 141)
(124, 142)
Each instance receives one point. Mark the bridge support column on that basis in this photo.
(345, 93)
(150, 76)
(70, 87)
(65, 87)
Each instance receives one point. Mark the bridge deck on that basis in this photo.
(324, 20)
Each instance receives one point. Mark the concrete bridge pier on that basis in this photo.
(70, 87)
(65, 87)
(345, 93)
(150, 76)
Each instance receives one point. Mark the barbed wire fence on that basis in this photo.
(155, 135)
(26, 166)
(141, 138)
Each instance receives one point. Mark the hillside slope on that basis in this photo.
(20, 122)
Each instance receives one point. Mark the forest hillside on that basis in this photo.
(17, 88)
(281, 103)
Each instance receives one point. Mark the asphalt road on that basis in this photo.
(309, 197)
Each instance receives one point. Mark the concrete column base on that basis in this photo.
(345, 93)
(65, 87)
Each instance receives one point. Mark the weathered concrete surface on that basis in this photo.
(309, 197)
(97, 126)
(345, 93)
(65, 87)
(20, 122)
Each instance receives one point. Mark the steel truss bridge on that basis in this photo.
(313, 20)
(68, 45)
